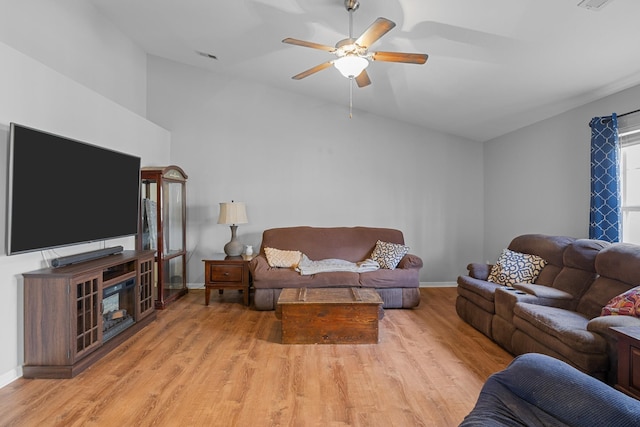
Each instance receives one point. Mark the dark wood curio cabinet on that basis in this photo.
(163, 226)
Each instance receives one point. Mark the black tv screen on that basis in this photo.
(63, 192)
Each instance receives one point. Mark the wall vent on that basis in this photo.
(594, 5)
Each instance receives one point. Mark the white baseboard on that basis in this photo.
(10, 376)
(422, 285)
(438, 284)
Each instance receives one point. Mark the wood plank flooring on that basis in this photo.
(223, 365)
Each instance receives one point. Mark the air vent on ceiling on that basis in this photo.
(206, 54)
(594, 5)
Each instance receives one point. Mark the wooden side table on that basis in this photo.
(224, 272)
(628, 360)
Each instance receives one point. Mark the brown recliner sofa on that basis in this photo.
(568, 286)
(559, 315)
(398, 288)
(476, 296)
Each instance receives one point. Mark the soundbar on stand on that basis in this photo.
(85, 256)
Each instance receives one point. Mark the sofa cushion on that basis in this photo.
(582, 254)
(625, 304)
(549, 248)
(515, 267)
(617, 266)
(398, 278)
(387, 254)
(566, 326)
(285, 278)
(280, 258)
(349, 243)
(601, 291)
(620, 262)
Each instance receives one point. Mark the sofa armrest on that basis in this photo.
(479, 271)
(507, 297)
(258, 264)
(542, 291)
(602, 324)
(410, 261)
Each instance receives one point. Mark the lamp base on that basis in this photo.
(234, 247)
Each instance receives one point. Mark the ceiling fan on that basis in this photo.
(353, 55)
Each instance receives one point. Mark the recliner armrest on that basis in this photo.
(542, 291)
(601, 324)
(479, 271)
(507, 297)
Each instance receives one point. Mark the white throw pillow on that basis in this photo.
(280, 258)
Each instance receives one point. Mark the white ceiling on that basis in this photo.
(494, 65)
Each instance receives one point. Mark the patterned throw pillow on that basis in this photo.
(388, 255)
(515, 267)
(626, 304)
(280, 258)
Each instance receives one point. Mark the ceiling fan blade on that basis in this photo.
(313, 70)
(411, 58)
(379, 28)
(363, 79)
(309, 44)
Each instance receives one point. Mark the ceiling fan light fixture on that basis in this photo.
(351, 65)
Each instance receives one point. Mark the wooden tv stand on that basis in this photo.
(66, 324)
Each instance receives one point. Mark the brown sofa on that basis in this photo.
(398, 288)
(559, 315)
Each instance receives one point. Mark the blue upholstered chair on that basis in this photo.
(538, 390)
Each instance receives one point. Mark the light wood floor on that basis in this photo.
(223, 365)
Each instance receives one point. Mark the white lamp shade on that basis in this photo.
(351, 65)
(232, 213)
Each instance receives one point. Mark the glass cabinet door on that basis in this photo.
(149, 210)
(163, 225)
(173, 280)
(173, 221)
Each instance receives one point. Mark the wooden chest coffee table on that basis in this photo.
(329, 315)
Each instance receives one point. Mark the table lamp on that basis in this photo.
(233, 213)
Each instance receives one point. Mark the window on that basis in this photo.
(629, 134)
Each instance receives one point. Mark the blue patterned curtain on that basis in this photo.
(605, 219)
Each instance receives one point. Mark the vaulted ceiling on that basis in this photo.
(494, 65)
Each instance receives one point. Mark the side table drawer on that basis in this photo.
(225, 273)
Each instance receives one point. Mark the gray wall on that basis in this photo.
(297, 161)
(294, 161)
(74, 39)
(50, 79)
(537, 179)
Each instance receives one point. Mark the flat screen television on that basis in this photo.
(63, 192)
